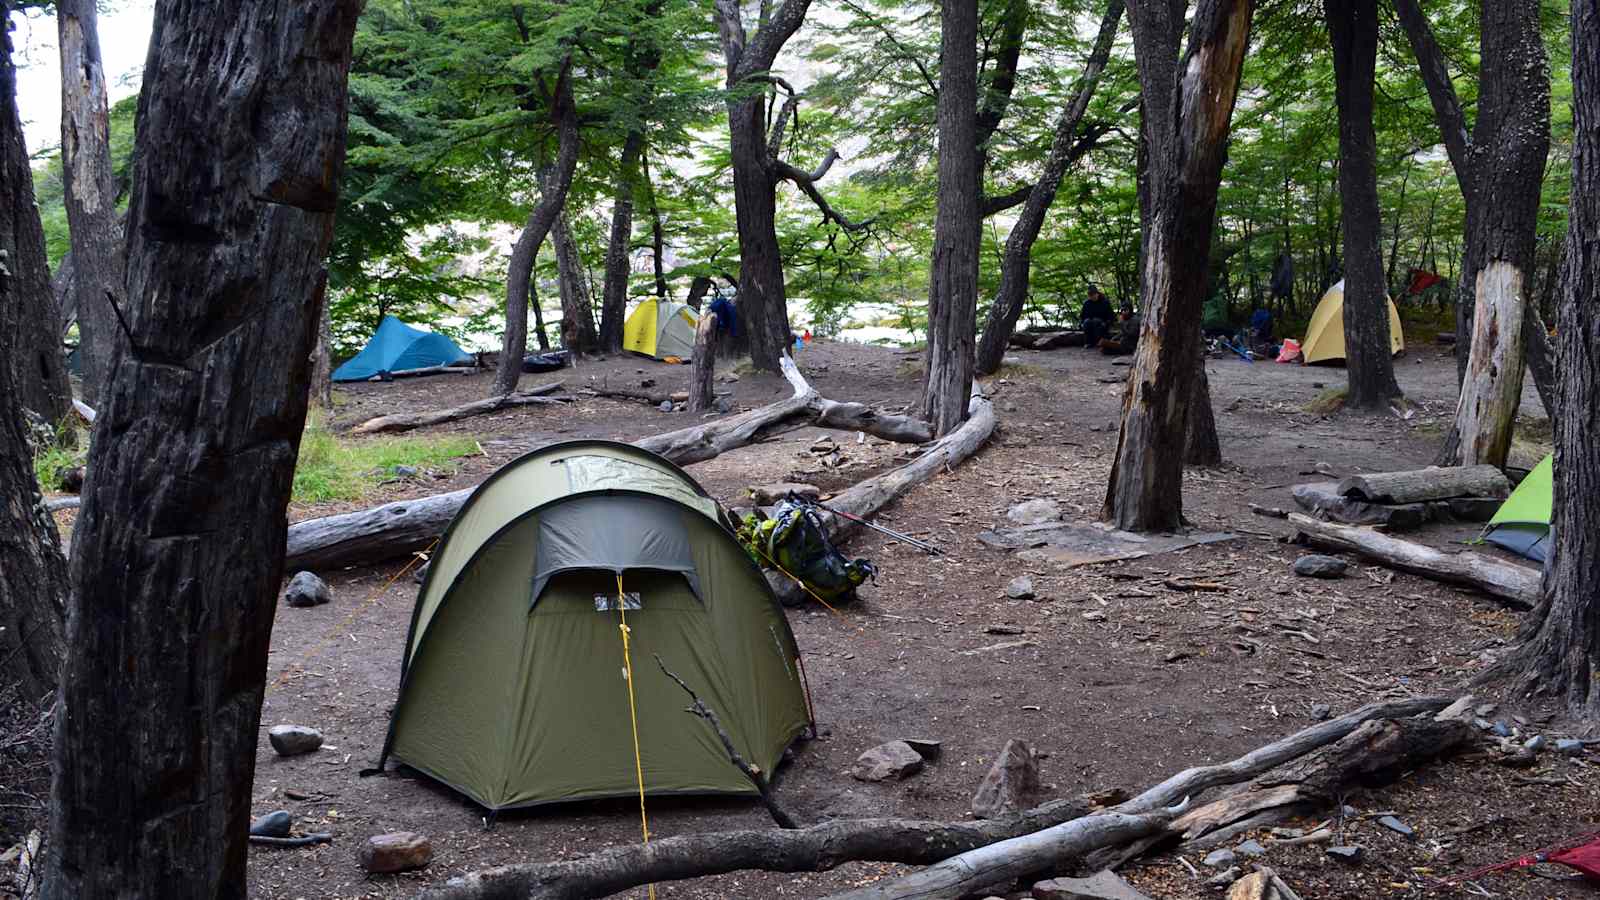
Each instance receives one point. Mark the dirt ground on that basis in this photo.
(1116, 680)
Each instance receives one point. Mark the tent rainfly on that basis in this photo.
(660, 329)
(1325, 334)
(397, 347)
(1522, 524)
(514, 688)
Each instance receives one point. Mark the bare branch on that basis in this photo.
(769, 41)
(905, 52)
(1002, 202)
(807, 183)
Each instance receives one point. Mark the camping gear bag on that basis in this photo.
(793, 539)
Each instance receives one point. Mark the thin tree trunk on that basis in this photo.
(322, 362)
(91, 190)
(953, 279)
(1201, 446)
(658, 240)
(703, 365)
(614, 297)
(552, 197)
(577, 307)
(30, 325)
(1395, 280)
(1559, 655)
(1369, 359)
(1187, 111)
(540, 333)
(1006, 306)
(179, 543)
(1541, 360)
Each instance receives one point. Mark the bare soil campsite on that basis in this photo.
(1117, 674)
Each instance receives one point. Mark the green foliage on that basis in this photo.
(331, 469)
(64, 450)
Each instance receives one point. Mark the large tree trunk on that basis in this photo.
(30, 326)
(33, 580)
(614, 299)
(762, 304)
(1499, 167)
(1369, 360)
(1560, 651)
(953, 279)
(1187, 111)
(91, 190)
(178, 548)
(1006, 306)
(552, 197)
(577, 306)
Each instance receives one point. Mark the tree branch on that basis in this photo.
(768, 43)
(753, 772)
(997, 94)
(1441, 92)
(997, 204)
(807, 183)
(905, 52)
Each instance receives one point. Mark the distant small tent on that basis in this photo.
(1325, 335)
(397, 347)
(1522, 524)
(514, 686)
(660, 329)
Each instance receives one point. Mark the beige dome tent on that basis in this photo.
(514, 689)
(1325, 335)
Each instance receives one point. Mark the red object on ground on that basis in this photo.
(1421, 281)
(1585, 858)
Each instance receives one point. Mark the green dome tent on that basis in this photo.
(514, 689)
(1522, 524)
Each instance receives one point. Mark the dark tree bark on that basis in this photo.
(703, 365)
(614, 297)
(1187, 112)
(658, 238)
(552, 198)
(91, 189)
(1369, 360)
(1500, 167)
(953, 277)
(1006, 307)
(1541, 360)
(577, 308)
(30, 324)
(1559, 654)
(178, 549)
(757, 170)
(540, 333)
(1201, 446)
(322, 362)
(33, 580)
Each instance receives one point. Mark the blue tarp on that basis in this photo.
(397, 347)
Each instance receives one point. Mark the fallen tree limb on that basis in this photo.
(408, 421)
(394, 529)
(817, 848)
(463, 369)
(1427, 484)
(304, 840)
(1518, 585)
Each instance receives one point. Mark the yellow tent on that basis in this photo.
(660, 330)
(1325, 335)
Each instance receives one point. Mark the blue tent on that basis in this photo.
(397, 347)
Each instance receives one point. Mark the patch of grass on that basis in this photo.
(57, 455)
(1330, 401)
(331, 469)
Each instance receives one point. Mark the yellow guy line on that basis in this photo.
(633, 716)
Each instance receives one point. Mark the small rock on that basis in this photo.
(1321, 711)
(679, 396)
(1020, 588)
(1034, 512)
(1095, 615)
(1482, 724)
(1011, 784)
(646, 382)
(1315, 565)
(1220, 858)
(1251, 847)
(405, 471)
(1224, 878)
(1485, 710)
(1519, 758)
(401, 851)
(1003, 629)
(1537, 743)
(306, 589)
(1396, 826)
(421, 574)
(1500, 729)
(1104, 885)
(925, 748)
(1569, 747)
(1350, 854)
(722, 405)
(665, 406)
(293, 740)
(273, 824)
(895, 759)
(1288, 833)
(1176, 656)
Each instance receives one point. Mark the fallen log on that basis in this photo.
(817, 848)
(1427, 484)
(426, 370)
(1046, 340)
(408, 421)
(394, 529)
(1518, 585)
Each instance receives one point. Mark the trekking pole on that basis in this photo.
(922, 545)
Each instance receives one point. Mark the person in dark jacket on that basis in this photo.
(1095, 318)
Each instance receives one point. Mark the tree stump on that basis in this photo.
(703, 367)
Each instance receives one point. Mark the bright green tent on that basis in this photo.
(1522, 524)
(514, 690)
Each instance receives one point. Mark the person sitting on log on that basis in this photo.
(1127, 334)
(1095, 317)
